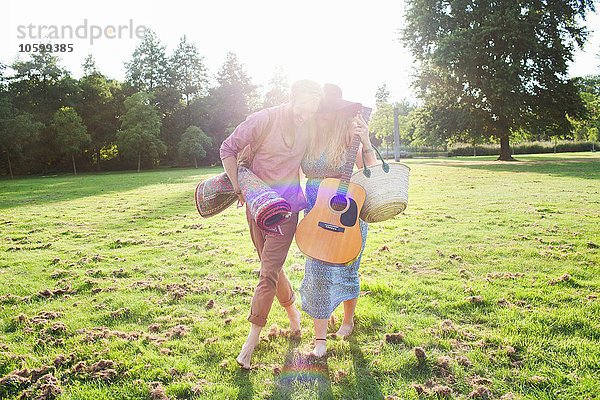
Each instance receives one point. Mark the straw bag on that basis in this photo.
(387, 189)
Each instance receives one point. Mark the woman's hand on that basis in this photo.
(362, 129)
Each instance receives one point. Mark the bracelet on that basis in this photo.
(369, 150)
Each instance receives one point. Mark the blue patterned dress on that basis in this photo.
(326, 285)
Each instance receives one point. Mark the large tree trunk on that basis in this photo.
(74, 167)
(195, 162)
(139, 160)
(98, 160)
(505, 148)
(9, 166)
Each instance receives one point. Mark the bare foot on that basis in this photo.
(320, 348)
(243, 359)
(294, 317)
(345, 330)
(331, 321)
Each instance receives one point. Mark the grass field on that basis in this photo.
(113, 287)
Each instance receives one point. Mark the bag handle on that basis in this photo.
(385, 166)
(264, 133)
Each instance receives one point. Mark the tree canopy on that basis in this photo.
(140, 127)
(487, 69)
(71, 134)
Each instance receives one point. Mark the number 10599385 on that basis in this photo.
(45, 47)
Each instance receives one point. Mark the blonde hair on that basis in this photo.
(336, 144)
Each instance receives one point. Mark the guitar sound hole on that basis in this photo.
(338, 202)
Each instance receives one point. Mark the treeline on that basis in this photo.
(525, 148)
(582, 135)
(168, 111)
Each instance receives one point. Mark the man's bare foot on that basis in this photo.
(245, 356)
(320, 348)
(345, 330)
(294, 317)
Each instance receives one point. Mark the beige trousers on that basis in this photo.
(272, 251)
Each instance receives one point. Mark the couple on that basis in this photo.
(310, 132)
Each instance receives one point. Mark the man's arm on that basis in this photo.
(230, 166)
(247, 132)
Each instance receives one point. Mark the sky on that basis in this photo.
(351, 43)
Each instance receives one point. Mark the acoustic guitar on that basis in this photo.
(330, 232)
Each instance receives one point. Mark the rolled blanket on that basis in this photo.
(214, 195)
(267, 207)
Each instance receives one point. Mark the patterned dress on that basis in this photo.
(326, 285)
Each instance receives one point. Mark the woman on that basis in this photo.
(326, 285)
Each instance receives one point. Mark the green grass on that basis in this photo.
(474, 272)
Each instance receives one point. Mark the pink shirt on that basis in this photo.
(274, 162)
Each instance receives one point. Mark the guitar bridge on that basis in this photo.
(331, 227)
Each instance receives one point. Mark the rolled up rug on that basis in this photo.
(267, 207)
(214, 195)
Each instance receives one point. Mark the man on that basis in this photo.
(277, 162)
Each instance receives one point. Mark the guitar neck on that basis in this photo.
(349, 165)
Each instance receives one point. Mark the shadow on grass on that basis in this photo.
(302, 371)
(366, 384)
(242, 380)
(52, 189)
(584, 168)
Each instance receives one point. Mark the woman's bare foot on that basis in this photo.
(345, 329)
(348, 322)
(320, 348)
(294, 317)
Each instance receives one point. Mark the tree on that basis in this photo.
(278, 90)
(382, 121)
(382, 124)
(3, 78)
(188, 80)
(588, 128)
(187, 71)
(16, 132)
(231, 101)
(148, 67)
(71, 133)
(589, 84)
(140, 130)
(193, 145)
(98, 108)
(487, 69)
(382, 96)
(40, 86)
(89, 66)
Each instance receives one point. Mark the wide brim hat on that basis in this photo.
(333, 102)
